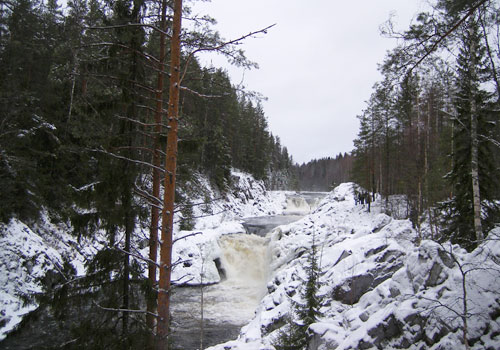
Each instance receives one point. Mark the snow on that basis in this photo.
(383, 288)
(27, 256)
(24, 262)
(29, 253)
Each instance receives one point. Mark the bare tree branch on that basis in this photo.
(141, 123)
(127, 159)
(199, 94)
(445, 35)
(155, 28)
(221, 46)
(137, 256)
(124, 310)
(186, 236)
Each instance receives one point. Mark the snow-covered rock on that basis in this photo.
(382, 289)
(34, 257)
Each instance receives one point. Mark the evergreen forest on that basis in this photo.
(108, 114)
(430, 128)
(324, 174)
(83, 131)
(78, 96)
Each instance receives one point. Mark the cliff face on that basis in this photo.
(33, 256)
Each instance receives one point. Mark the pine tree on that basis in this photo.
(29, 109)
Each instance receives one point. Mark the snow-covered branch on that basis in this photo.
(199, 94)
(127, 159)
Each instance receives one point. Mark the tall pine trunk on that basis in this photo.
(155, 211)
(169, 196)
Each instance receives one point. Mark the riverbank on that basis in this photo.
(36, 256)
(382, 286)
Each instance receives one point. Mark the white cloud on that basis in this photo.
(317, 65)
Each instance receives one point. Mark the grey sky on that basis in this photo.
(317, 65)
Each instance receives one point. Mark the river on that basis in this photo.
(245, 261)
(202, 316)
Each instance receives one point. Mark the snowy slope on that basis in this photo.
(31, 256)
(381, 290)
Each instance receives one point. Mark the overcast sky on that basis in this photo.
(317, 65)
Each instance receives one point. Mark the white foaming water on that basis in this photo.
(245, 260)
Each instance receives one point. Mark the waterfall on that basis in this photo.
(296, 205)
(303, 203)
(245, 258)
(245, 261)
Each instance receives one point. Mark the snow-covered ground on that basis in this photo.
(381, 289)
(31, 255)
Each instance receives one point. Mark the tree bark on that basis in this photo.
(155, 213)
(417, 168)
(490, 56)
(476, 195)
(169, 196)
(475, 173)
(426, 165)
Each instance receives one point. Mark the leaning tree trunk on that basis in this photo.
(169, 196)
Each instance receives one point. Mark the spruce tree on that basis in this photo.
(306, 311)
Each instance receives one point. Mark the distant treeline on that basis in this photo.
(325, 173)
